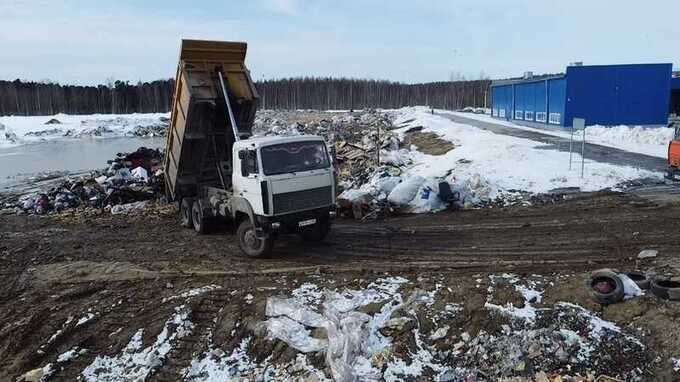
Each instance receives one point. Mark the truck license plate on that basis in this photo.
(305, 223)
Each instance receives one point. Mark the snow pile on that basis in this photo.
(504, 162)
(645, 140)
(135, 363)
(22, 130)
(638, 139)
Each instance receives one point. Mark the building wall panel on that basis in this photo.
(619, 94)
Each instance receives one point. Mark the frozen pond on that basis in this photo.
(73, 156)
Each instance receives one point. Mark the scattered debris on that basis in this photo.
(53, 121)
(647, 253)
(123, 188)
(642, 280)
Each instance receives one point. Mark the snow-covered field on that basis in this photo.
(18, 130)
(643, 140)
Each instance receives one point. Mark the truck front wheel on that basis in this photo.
(250, 244)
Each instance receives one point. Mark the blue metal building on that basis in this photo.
(637, 94)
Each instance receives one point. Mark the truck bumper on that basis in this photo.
(290, 223)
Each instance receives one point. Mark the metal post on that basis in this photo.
(377, 144)
(583, 152)
(571, 143)
(264, 95)
(232, 121)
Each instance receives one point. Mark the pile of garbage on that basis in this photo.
(125, 186)
(378, 333)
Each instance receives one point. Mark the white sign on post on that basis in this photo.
(576, 125)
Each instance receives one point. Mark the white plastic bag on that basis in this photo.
(405, 191)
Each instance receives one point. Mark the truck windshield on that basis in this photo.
(294, 157)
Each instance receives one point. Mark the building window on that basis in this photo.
(540, 116)
(519, 114)
(494, 112)
(529, 116)
(555, 118)
(501, 113)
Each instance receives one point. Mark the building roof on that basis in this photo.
(543, 77)
(520, 80)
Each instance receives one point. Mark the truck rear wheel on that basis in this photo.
(316, 232)
(198, 218)
(185, 207)
(250, 244)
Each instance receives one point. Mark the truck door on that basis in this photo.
(246, 179)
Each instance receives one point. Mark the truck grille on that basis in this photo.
(302, 200)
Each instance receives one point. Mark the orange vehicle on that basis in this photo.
(674, 156)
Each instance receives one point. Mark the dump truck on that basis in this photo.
(674, 155)
(216, 169)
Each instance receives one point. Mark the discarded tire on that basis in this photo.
(640, 279)
(605, 287)
(666, 289)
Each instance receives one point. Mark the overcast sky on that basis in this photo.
(86, 42)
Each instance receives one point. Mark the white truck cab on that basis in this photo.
(283, 175)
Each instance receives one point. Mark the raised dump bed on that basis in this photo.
(201, 133)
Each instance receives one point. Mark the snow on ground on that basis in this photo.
(357, 345)
(20, 130)
(135, 363)
(504, 162)
(643, 140)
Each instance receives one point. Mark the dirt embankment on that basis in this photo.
(88, 284)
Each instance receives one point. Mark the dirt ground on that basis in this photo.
(112, 274)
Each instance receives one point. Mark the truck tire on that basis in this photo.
(185, 207)
(251, 245)
(198, 218)
(316, 232)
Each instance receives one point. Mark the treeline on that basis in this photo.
(330, 93)
(118, 97)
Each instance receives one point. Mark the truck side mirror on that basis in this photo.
(248, 162)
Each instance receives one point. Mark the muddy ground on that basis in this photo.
(90, 282)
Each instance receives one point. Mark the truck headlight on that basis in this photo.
(276, 225)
